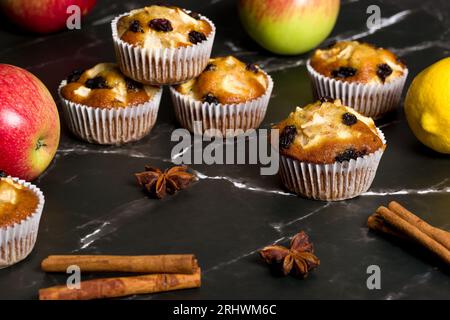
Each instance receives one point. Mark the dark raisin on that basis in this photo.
(330, 45)
(3, 174)
(211, 67)
(196, 37)
(135, 26)
(402, 61)
(383, 71)
(344, 72)
(252, 67)
(75, 75)
(287, 136)
(163, 25)
(96, 83)
(326, 99)
(133, 85)
(210, 98)
(349, 154)
(194, 15)
(349, 119)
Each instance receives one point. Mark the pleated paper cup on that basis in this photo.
(162, 66)
(18, 240)
(371, 100)
(214, 119)
(331, 182)
(113, 126)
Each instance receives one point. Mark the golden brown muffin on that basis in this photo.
(325, 132)
(104, 86)
(352, 61)
(16, 202)
(162, 27)
(226, 80)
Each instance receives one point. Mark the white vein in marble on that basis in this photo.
(240, 184)
(384, 23)
(245, 255)
(109, 223)
(438, 188)
(281, 225)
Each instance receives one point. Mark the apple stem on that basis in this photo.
(39, 144)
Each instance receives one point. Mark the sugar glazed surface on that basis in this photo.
(325, 132)
(352, 61)
(16, 202)
(104, 86)
(162, 27)
(226, 80)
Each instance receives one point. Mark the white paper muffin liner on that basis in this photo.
(227, 119)
(18, 240)
(331, 182)
(162, 66)
(110, 126)
(371, 100)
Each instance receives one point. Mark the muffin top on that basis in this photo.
(162, 27)
(16, 202)
(104, 86)
(226, 80)
(352, 61)
(325, 132)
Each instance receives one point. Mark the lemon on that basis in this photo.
(427, 106)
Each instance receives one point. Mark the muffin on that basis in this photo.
(364, 77)
(162, 45)
(21, 205)
(103, 106)
(227, 98)
(329, 151)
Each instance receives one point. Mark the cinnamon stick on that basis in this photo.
(182, 264)
(376, 223)
(124, 286)
(414, 233)
(441, 236)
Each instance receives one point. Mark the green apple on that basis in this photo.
(288, 26)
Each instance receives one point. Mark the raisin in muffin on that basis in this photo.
(365, 77)
(21, 207)
(104, 106)
(329, 151)
(162, 44)
(228, 95)
(226, 80)
(162, 27)
(104, 86)
(352, 61)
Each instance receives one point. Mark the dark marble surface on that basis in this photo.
(93, 205)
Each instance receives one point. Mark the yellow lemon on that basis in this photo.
(427, 106)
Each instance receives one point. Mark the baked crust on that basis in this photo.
(368, 61)
(135, 28)
(322, 137)
(109, 88)
(226, 80)
(17, 202)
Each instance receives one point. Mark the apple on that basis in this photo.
(288, 26)
(29, 124)
(42, 16)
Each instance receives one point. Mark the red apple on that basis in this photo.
(288, 26)
(29, 124)
(42, 16)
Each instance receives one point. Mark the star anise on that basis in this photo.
(299, 259)
(159, 184)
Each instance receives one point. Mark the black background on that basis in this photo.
(91, 188)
